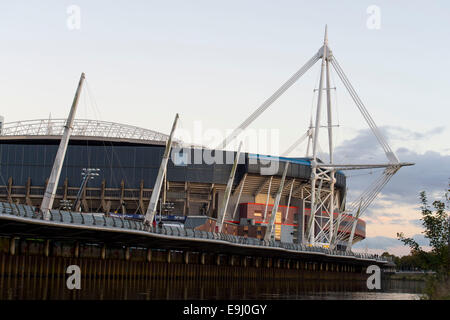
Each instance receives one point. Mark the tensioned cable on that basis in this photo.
(94, 106)
(88, 154)
(300, 140)
(368, 197)
(372, 171)
(96, 109)
(359, 103)
(389, 153)
(335, 103)
(368, 192)
(6, 186)
(269, 101)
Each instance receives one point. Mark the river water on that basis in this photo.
(43, 289)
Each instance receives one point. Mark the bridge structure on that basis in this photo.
(113, 251)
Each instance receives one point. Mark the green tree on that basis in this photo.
(392, 257)
(436, 221)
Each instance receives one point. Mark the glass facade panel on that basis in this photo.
(119, 161)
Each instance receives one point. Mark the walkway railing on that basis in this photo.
(101, 220)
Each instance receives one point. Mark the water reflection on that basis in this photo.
(29, 288)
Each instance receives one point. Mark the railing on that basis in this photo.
(101, 220)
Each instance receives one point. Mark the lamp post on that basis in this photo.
(165, 207)
(66, 204)
(87, 174)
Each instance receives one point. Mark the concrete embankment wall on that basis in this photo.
(244, 268)
(36, 264)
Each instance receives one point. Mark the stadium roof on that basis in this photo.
(82, 128)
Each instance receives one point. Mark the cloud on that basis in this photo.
(380, 244)
(421, 240)
(403, 134)
(431, 171)
(416, 222)
(399, 221)
(397, 207)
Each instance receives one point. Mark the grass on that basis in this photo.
(437, 288)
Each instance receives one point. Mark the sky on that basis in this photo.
(215, 62)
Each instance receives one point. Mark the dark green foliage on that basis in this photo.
(436, 221)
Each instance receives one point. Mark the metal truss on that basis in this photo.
(358, 206)
(323, 199)
(321, 226)
(81, 127)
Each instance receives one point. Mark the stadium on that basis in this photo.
(126, 160)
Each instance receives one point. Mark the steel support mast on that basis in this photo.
(311, 228)
(321, 194)
(270, 101)
(52, 185)
(269, 235)
(226, 197)
(152, 206)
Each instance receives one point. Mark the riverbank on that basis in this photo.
(412, 276)
(438, 288)
(435, 288)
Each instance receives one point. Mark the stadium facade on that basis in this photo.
(128, 159)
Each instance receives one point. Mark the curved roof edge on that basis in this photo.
(81, 128)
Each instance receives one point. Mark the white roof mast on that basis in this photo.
(50, 191)
(323, 207)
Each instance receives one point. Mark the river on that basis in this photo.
(96, 289)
